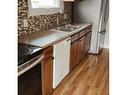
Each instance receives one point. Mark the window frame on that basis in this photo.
(44, 11)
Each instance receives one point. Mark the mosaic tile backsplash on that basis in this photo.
(41, 22)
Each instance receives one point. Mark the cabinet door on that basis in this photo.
(81, 48)
(73, 55)
(87, 42)
(48, 75)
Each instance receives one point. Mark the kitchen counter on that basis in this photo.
(50, 37)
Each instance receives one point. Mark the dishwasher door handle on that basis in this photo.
(68, 39)
(31, 65)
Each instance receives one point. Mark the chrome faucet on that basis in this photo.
(57, 21)
(57, 18)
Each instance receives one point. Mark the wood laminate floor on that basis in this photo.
(90, 77)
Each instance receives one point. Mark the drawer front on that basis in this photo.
(48, 52)
(88, 29)
(82, 33)
(74, 37)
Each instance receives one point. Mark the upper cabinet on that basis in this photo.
(72, 0)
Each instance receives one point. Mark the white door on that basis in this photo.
(61, 61)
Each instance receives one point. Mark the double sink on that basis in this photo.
(67, 28)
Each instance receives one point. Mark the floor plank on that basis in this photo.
(90, 77)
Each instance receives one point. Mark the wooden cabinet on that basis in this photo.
(74, 51)
(87, 42)
(73, 55)
(84, 42)
(81, 48)
(48, 71)
(82, 33)
(88, 29)
(48, 76)
(74, 37)
(48, 52)
(80, 45)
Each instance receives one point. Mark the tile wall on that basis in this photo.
(40, 22)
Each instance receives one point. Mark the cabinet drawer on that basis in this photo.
(88, 29)
(48, 52)
(74, 37)
(82, 33)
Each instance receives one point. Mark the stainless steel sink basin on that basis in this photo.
(67, 28)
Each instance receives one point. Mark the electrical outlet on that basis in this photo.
(25, 23)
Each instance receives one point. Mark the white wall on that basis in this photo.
(89, 11)
(106, 42)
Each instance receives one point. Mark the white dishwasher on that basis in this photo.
(61, 61)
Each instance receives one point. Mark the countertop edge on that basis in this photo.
(83, 26)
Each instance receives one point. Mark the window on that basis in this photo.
(45, 3)
(41, 7)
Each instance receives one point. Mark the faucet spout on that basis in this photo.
(57, 21)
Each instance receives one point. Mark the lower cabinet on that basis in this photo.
(47, 68)
(84, 46)
(74, 55)
(81, 48)
(87, 42)
(48, 75)
(80, 45)
(53, 73)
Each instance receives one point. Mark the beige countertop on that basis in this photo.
(50, 37)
